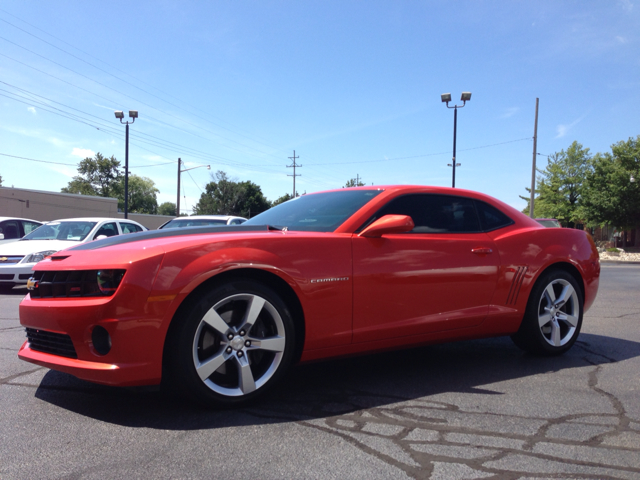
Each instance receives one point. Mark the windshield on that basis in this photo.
(200, 222)
(318, 212)
(72, 231)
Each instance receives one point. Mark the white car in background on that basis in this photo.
(13, 229)
(202, 221)
(17, 259)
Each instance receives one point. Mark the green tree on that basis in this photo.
(0, 180)
(98, 176)
(560, 185)
(354, 183)
(284, 198)
(612, 193)
(142, 195)
(167, 208)
(225, 197)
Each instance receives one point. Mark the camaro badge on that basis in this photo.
(32, 284)
(333, 279)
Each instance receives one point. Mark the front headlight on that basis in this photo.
(108, 280)
(38, 257)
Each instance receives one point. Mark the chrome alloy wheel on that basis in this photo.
(238, 345)
(558, 312)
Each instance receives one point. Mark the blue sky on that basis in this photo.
(352, 86)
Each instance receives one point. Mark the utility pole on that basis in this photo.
(178, 199)
(533, 168)
(294, 165)
(357, 179)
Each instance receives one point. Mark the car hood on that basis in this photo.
(25, 247)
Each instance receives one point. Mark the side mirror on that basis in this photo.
(388, 224)
(100, 237)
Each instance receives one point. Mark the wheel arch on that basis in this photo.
(568, 268)
(269, 279)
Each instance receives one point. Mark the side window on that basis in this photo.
(29, 227)
(435, 213)
(490, 217)
(129, 228)
(108, 230)
(10, 229)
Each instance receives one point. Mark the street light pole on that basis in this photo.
(446, 98)
(133, 114)
(180, 162)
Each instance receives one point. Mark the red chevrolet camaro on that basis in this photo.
(222, 312)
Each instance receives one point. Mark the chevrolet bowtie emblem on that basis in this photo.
(32, 284)
(3, 259)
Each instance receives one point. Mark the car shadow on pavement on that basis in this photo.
(336, 387)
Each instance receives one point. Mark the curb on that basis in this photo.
(620, 262)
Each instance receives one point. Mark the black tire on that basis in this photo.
(553, 317)
(234, 344)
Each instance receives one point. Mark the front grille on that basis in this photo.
(66, 284)
(49, 342)
(24, 276)
(9, 259)
(6, 276)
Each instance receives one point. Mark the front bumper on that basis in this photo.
(16, 273)
(136, 333)
(92, 371)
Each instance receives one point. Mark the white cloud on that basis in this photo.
(509, 112)
(626, 5)
(32, 110)
(621, 39)
(82, 152)
(564, 129)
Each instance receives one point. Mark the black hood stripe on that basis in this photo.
(170, 232)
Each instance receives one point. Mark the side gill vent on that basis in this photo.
(516, 283)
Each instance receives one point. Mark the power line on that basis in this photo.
(130, 97)
(121, 71)
(421, 156)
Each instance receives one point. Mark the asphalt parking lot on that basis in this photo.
(476, 409)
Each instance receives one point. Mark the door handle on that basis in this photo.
(482, 250)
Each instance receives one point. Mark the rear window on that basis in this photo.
(490, 217)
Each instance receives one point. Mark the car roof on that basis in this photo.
(208, 217)
(2, 219)
(93, 219)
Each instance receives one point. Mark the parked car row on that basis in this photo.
(18, 258)
(32, 241)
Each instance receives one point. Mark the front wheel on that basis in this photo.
(553, 317)
(236, 341)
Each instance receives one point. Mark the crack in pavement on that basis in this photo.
(6, 380)
(430, 439)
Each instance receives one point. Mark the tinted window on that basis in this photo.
(10, 229)
(490, 217)
(129, 227)
(320, 212)
(434, 213)
(108, 230)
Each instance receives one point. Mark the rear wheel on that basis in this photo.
(236, 342)
(553, 318)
